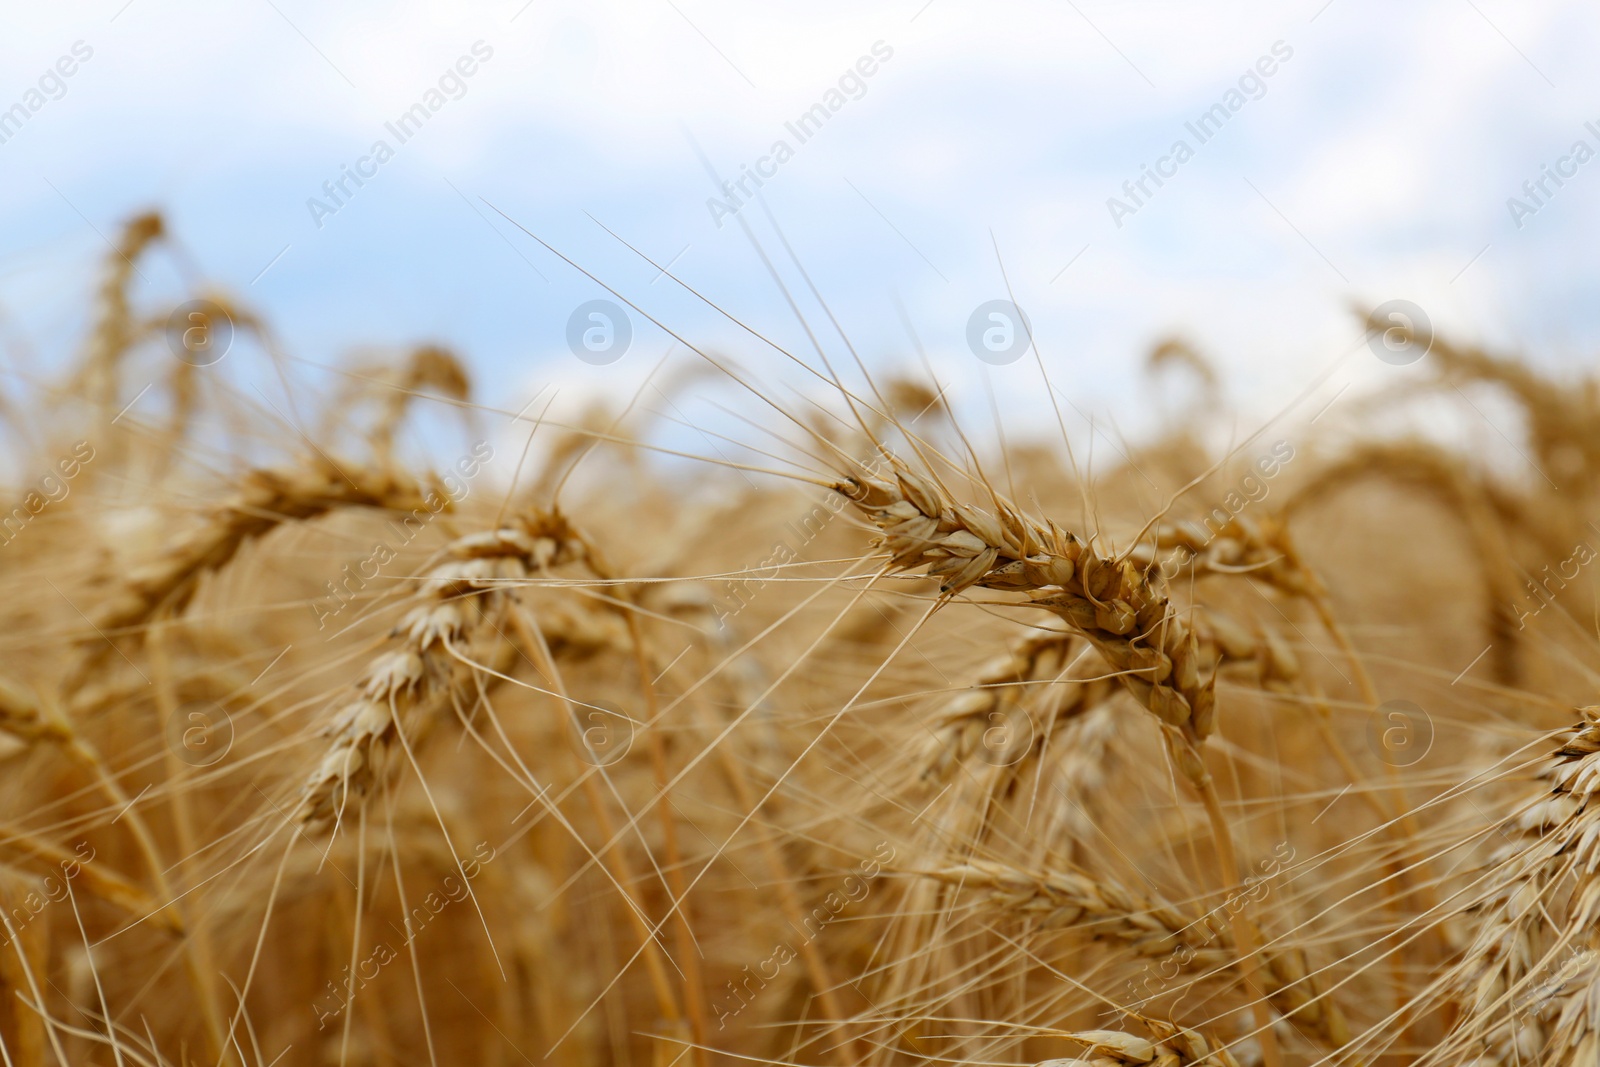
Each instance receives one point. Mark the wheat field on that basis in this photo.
(855, 740)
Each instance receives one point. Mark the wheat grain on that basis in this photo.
(1173, 1046)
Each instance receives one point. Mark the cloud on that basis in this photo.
(1376, 166)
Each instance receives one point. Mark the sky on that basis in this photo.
(966, 153)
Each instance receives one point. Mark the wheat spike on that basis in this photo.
(1115, 605)
(1108, 910)
(1545, 894)
(460, 603)
(264, 500)
(962, 723)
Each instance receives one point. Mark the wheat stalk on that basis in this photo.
(427, 367)
(115, 330)
(1482, 509)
